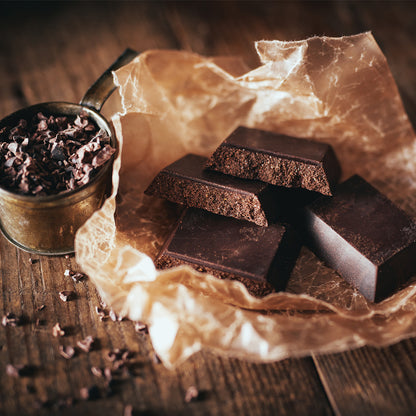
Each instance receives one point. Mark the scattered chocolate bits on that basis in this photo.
(13, 370)
(76, 276)
(57, 331)
(191, 394)
(108, 373)
(67, 295)
(48, 155)
(40, 308)
(140, 327)
(117, 354)
(101, 312)
(20, 370)
(11, 319)
(86, 344)
(96, 371)
(66, 351)
(91, 393)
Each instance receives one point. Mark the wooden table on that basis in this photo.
(54, 51)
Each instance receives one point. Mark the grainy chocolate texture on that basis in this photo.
(364, 236)
(260, 257)
(277, 159)
(186, 182)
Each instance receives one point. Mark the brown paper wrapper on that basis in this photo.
(338, 90)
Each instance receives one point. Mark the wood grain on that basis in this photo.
(55, 51)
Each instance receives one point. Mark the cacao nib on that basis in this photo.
(48, 155)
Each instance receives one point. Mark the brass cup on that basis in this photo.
(47, 224)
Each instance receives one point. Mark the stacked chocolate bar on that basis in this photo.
(261, 195)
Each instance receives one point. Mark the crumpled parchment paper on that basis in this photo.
(339, 90)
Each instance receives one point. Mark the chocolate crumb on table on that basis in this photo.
(277, 159)
(192, 394)
(57, 331)
(87, 344)
(21, 370)
(10, 319)
(76, 276)
(67, 295)
(66, 351)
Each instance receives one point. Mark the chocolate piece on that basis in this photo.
(96, 371)
(67, 295)
(86, 344)
(364, 236)
(66, 351)
(186, 182)
(76, 276)
(192, 394)
(57, 331)
(259, 257)
(20, 370)
(11, 320)
(277, 159)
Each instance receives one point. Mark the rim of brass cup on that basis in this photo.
(47, 224)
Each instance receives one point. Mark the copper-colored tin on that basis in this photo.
(47, 224)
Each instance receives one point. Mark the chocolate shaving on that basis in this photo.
(67, 352)
(11, 320)
(67, 295)
(49, 155)
(76, 276)
(13, 370)
(140, 327)
(96, 371)
(101, 312)
(86, 344)
(191, 394)
(108, 373)
(57, 331)
(20, 370)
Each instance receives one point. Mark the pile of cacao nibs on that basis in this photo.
(49, 155)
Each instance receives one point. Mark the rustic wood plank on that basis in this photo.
(371, 381)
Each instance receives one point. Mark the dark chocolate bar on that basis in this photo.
(278, 160)
(260, 257)
(186, 182)
(365, 237)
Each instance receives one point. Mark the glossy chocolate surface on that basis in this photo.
(365, 237)
(230, 248)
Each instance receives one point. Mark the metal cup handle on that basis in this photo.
(98, 93)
